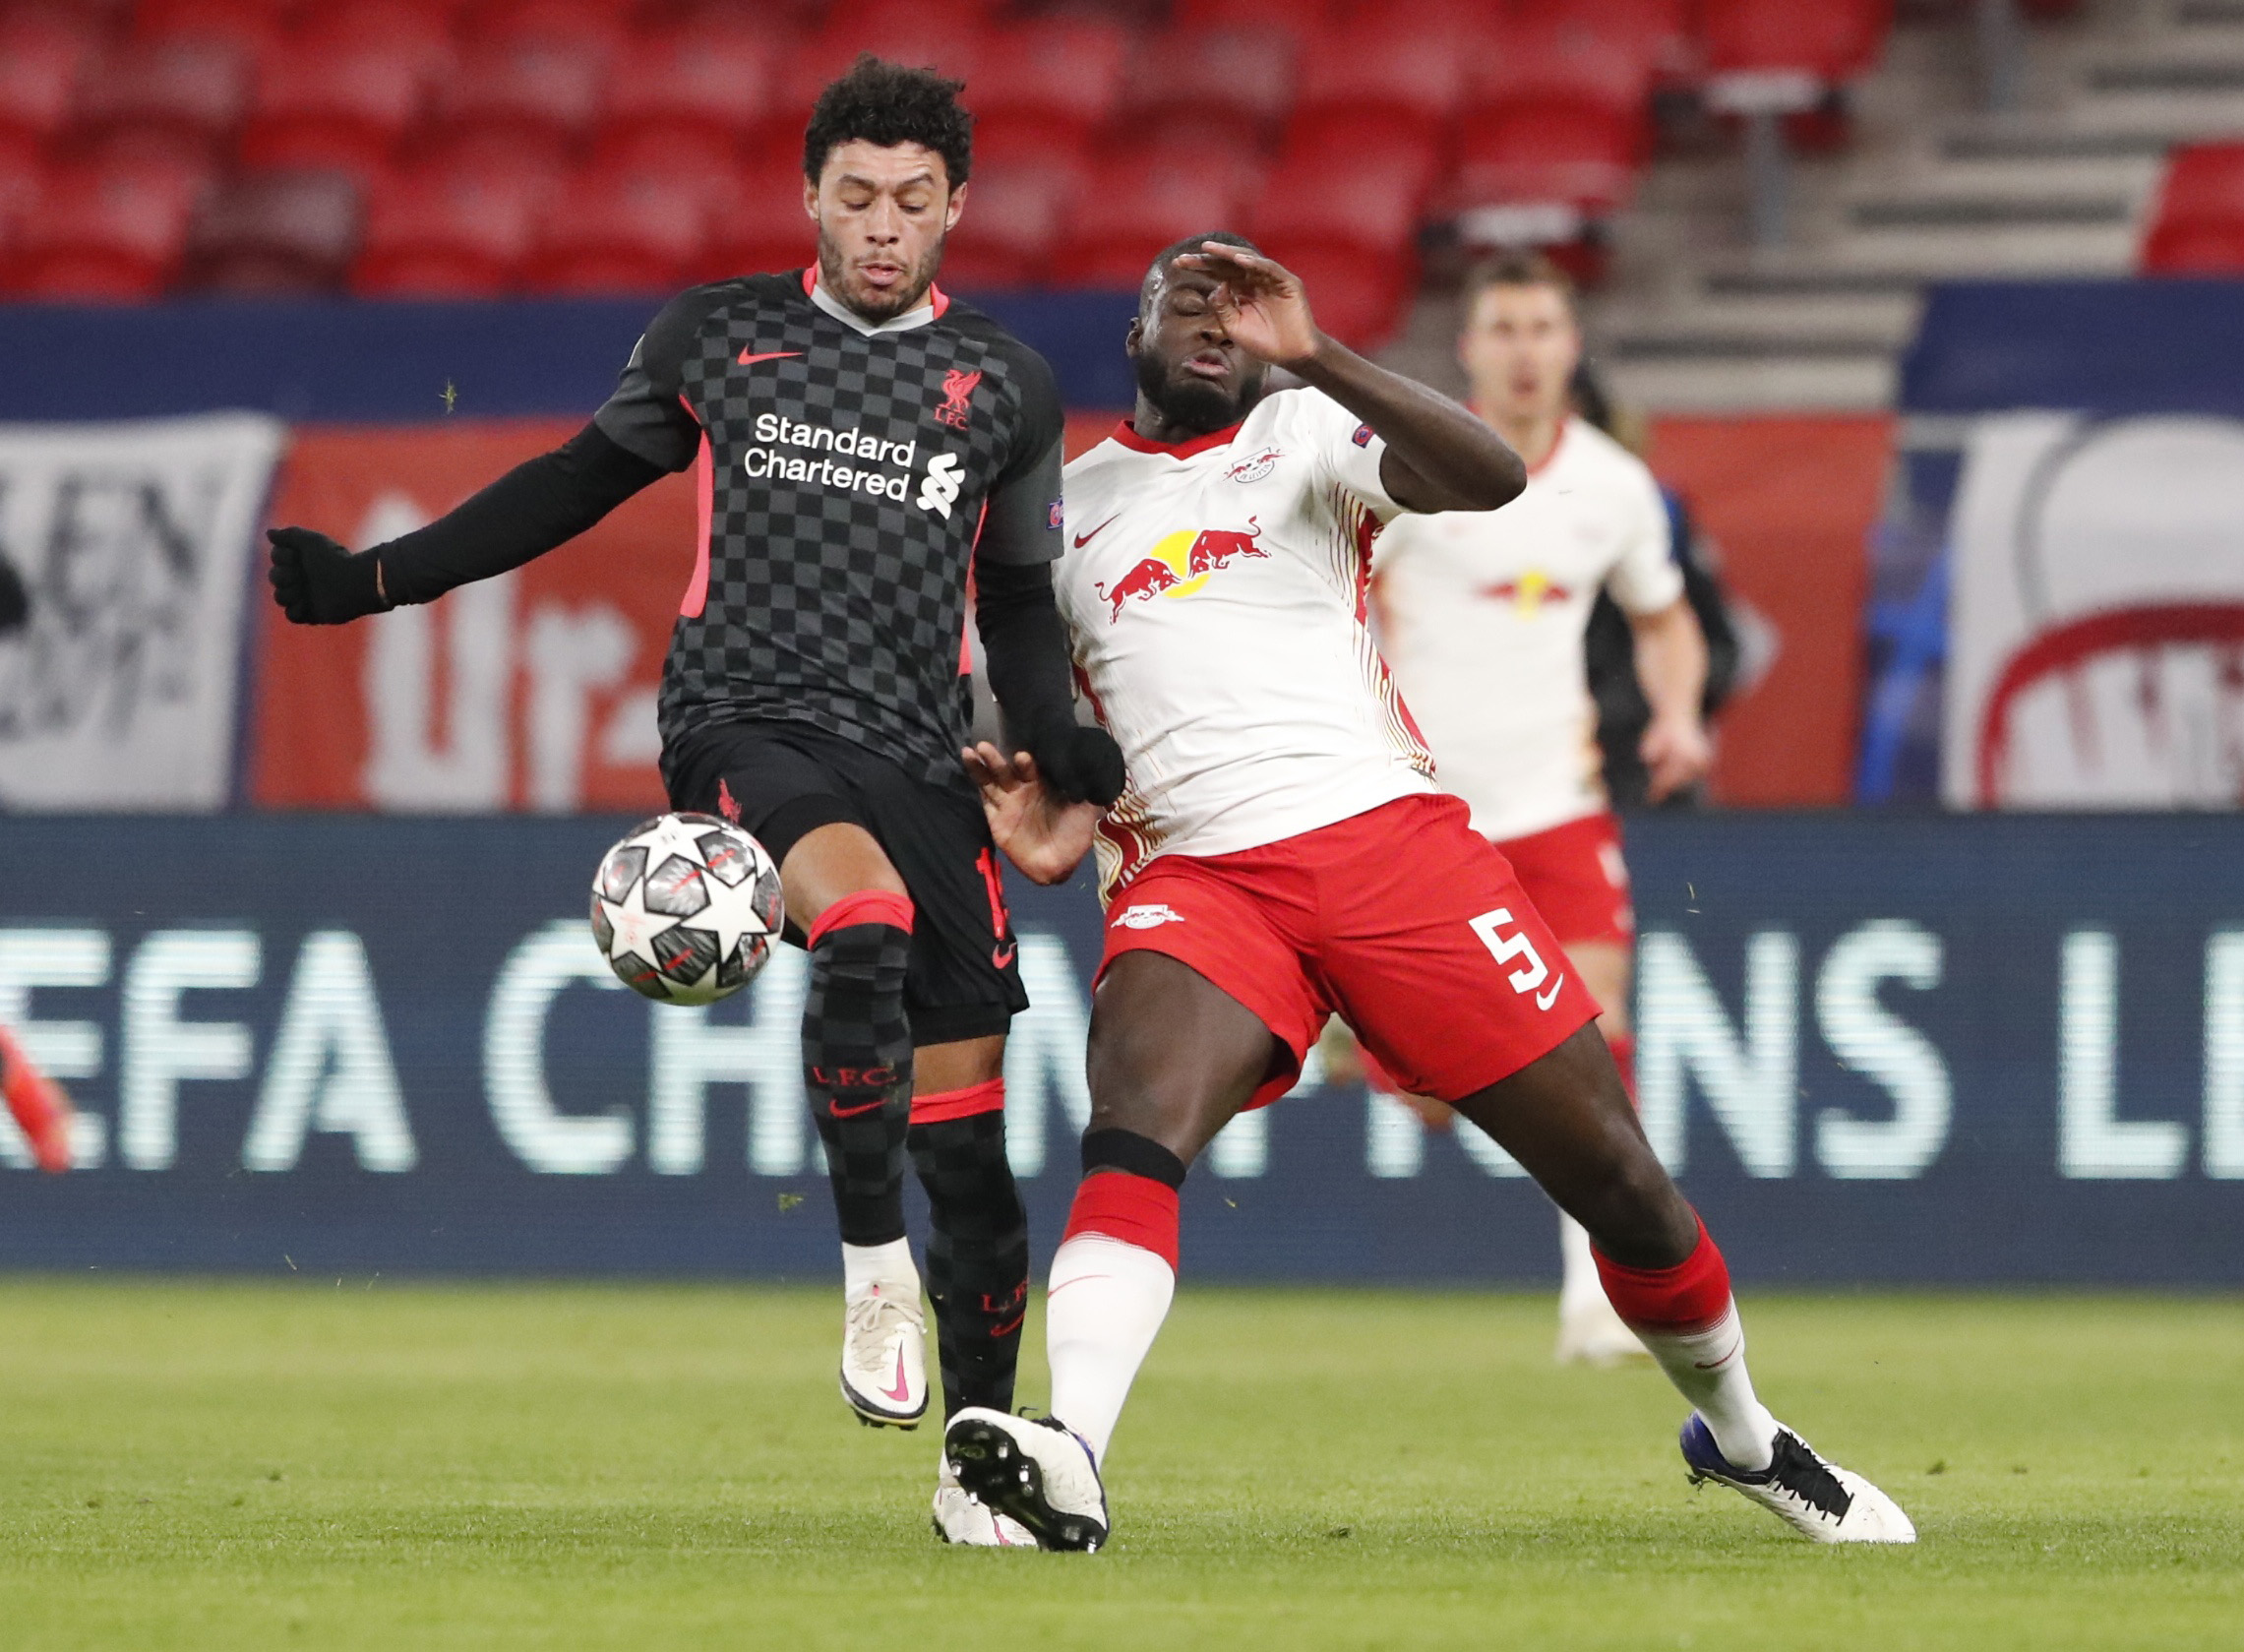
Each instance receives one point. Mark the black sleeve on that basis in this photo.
(644, 416)
(1024, 642)
(539, 504)
(1022, 520)
(15, 601)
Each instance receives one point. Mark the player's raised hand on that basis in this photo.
(317, 582)
(1676, 752)
(1261, 303)
(1042, 835)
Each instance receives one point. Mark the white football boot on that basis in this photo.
(1590, 1333)
(958, 1518)
(884, 1356)
(1816, 1498)
(1032, 1469)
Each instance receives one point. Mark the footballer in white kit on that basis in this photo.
(1281, 854)
(1483, 616)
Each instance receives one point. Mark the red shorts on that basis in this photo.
(1577, 880)
(1403, 921)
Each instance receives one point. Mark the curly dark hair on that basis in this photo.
(886, 104)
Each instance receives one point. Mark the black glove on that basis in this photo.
(317, 582)
(1078, 763)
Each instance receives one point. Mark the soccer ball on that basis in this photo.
(686, 908)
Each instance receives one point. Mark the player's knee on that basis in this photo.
(1635, 1212)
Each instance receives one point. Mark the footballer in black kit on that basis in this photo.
(863, 445)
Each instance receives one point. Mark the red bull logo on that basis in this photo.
(1181, 564)
(1529, 593)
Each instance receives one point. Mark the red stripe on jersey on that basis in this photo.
(1126, 434)
(704, 509)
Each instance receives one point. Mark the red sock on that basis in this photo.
(1135, 1209)
(1686, 1299)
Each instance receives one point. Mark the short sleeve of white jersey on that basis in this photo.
(1644, 578)
(1348, 451)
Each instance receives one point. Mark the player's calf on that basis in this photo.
(856, 1068)
(977, 1252)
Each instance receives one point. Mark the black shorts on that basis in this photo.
(782, 782)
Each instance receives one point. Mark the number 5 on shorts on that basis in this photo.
(1503, 950)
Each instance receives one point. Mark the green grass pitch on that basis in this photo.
(244, 1466)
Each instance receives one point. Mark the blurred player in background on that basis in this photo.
(1284, 853)
(41, 1109)
(1482, 617)
(862, 441)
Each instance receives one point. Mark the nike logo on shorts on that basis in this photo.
(1544, 1001)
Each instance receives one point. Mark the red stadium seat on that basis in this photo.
(1658, 33)
(1136, 203)
(1062, 73)
(40, 60)
(548, 91)
(447, 233)
(900, 31)
(1525, 154)
(1359, 297)
(418, 29)
(1292, 21)
(618, 231)
(1831, 40)
(1215, 87)
(1407, 74)
(691, 85)
(1557, 64)
(106, 230)
(1016, 211)
(1369, 205)
(596, 29)
(276, 233)
(343, 109)
(2198, 224)
(198, 90)
(254, 28)
(763, 226)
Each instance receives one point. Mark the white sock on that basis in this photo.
(1105, 1307)
(889, 1265)
(1708, 1368)
(1578, 1283)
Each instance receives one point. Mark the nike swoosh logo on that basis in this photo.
(1717, 1365)
(902, 1391)
(840, 1112)
(1082, 539)
(1544, 1001)
(1002, 956)
(1009, 1327)
(746, 360)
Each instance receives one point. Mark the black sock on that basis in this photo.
(857, 1070)
(977, 1256)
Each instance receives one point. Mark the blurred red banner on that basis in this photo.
(535, 691)
(1788, 504)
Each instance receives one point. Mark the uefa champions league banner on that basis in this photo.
(1991, 1049)
(132, 541)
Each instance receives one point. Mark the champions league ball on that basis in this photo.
(686, 908)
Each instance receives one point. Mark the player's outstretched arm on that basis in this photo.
(1439, 457)
(542, 502)
(1043, 836)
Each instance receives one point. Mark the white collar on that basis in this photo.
(834, 307)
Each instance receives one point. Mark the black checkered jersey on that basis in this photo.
(848, 477)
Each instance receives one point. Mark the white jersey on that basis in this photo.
(1482, 614)
(1217, 594)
